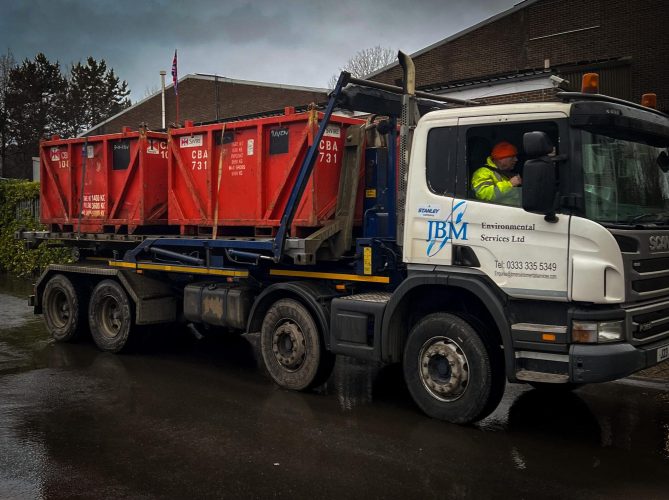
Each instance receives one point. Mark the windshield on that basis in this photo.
(623, 181)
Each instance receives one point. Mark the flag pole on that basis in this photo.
(175, 81)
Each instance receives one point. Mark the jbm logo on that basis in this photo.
(440, 232)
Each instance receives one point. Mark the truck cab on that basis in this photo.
(577, 289)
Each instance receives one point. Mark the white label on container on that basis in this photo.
(55, 154)
(249, 147)
(332, 131)
(193, 141)
(90, 152)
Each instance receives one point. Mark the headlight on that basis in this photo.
(592, 332)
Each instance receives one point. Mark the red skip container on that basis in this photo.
(243, 187)
(123, 186)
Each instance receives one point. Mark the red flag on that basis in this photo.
(175, 79)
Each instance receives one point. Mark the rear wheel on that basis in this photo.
(292, 348)
(110, 316)
(63, 312)
(453, 373)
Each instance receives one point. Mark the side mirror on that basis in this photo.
(537, 144)
(540, 187)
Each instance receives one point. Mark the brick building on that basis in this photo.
(511, 56)
(205, 98)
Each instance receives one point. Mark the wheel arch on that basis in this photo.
(464, 294)
(314, 296)
(78, 278)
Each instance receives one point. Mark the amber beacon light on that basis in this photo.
(590, 83)
(649, 100)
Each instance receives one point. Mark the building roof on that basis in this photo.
(491, 86)
(211, 78)
(488, 80)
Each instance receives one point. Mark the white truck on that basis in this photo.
(570, 288)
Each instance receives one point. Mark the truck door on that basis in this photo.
(525, 255)
(430, 225)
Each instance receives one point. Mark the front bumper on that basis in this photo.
(604, 362)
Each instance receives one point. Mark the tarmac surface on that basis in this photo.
(198, 419)
(658, 373)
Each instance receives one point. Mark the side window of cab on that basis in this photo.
(440, 162)
(494, 159)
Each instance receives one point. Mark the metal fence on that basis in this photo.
(29, 207)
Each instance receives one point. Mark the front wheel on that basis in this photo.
(292, 348)
(110, 316)
(453, 373)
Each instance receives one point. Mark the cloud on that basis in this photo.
(284, 42)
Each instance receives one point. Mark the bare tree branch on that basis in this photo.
(366, 61)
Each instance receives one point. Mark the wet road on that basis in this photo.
(186, 418)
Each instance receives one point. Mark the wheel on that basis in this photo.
(292, 348)
(546, 387)
(63, 315)
(110, 316)
(453, 373)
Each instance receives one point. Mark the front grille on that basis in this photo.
(647, 325)
(650, 284)
(651, 265)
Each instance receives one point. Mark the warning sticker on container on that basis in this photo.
(250, 144)
(332, 131)
(237, 164)
(55, 154)
(95, 205)
(193, 141)
(151, 148)
(90, 152)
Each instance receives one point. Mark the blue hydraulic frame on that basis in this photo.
(392, 173)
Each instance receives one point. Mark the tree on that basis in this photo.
(37, 101)
(7, 63)
(35, 106)
(366, 61)
(95, 94)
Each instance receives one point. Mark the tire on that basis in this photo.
(453, 373)
(61, 305)
(110, 316)
(555, 388)
(291, 347)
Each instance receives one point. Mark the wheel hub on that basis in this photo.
(111, 317)
(444, 370)
(63, 308)
(288, 345)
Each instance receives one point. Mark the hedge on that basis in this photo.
(14, 256)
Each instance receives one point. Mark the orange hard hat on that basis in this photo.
(503, 150)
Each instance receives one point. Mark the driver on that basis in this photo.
(495, 181)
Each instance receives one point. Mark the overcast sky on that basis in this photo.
(281, 41)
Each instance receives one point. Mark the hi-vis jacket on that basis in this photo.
(490, 185)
